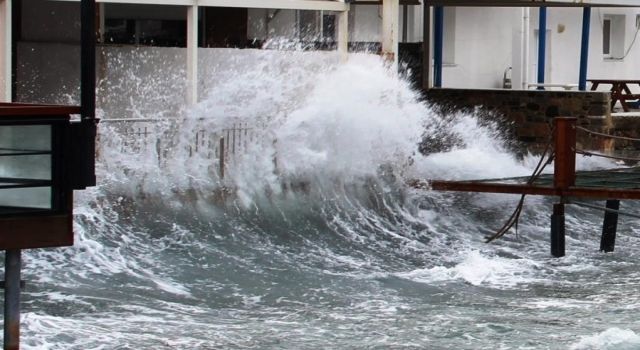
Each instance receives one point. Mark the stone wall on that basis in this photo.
(529, 113)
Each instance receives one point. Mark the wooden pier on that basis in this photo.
(565, 183)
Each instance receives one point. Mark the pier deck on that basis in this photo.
(620, 183)
(565, 183)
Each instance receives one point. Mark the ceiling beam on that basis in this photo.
(318, 5)
(535, 3)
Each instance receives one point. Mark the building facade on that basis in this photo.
(484, 47)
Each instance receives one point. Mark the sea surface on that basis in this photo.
(312, 239)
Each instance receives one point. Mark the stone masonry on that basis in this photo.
(529, 113)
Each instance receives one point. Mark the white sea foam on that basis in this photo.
(611, 339)
(479, 270)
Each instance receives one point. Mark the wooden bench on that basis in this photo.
(620, 91)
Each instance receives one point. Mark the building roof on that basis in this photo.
(535, 3)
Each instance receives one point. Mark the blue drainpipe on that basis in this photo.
(584, 50)
(542, 45)
(438, 38)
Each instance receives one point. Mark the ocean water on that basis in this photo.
(317, 241)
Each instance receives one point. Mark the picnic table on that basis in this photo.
(619, 90)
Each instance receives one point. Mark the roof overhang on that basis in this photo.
(535, 3)
(319, 5)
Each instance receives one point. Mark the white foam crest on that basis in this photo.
(478, 152)
(478, 270)
(612, 338)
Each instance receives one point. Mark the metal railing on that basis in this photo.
(223, 146)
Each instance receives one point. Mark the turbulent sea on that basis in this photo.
(317, 241)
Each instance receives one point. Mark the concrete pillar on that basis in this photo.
(5, 51)
(390, 28)
(192, 55)
(343, 35)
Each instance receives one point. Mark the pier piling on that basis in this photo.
(610, 226)
(12, 299)
(557, 230)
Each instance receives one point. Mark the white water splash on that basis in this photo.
(611, 339)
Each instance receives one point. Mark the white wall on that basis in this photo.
(483, 47)
(5, 51)
(566, 57)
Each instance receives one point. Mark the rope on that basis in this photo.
(607, 135)
(589, 154)
(515, 216)
(586, 205)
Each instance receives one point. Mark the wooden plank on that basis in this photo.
(36, 232)
(582, 192)
(18, 109)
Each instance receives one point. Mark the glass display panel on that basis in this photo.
(28, 197)
(25, 167)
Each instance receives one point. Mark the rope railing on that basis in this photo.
(592, 154)
(591, 132)
(605, 209)
(513, 220)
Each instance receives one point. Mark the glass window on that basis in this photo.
(606, 37)
(25, 167)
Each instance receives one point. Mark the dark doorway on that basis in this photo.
(225, 27)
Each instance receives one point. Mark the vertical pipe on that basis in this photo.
(564, 174)
(542, 45)
(426, 46)
(610, 226)
(584, 49)
(12, 299)
(88, 93)
(192, 55)
(438, 39)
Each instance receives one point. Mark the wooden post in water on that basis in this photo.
(557, 231)
(12, 299)
(610, 226)
(564, 176)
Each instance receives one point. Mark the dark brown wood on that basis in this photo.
(21, 109)
(565, 153)
(620, 90)
(36, 232)
(582, 192)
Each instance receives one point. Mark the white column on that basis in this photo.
(390, 28)
(192, 55)
(5, 50)
(343, 35)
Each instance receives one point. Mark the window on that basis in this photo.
(316, 27)
(449, 47)
(145, 32)
(606, 37)
(613, 32)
